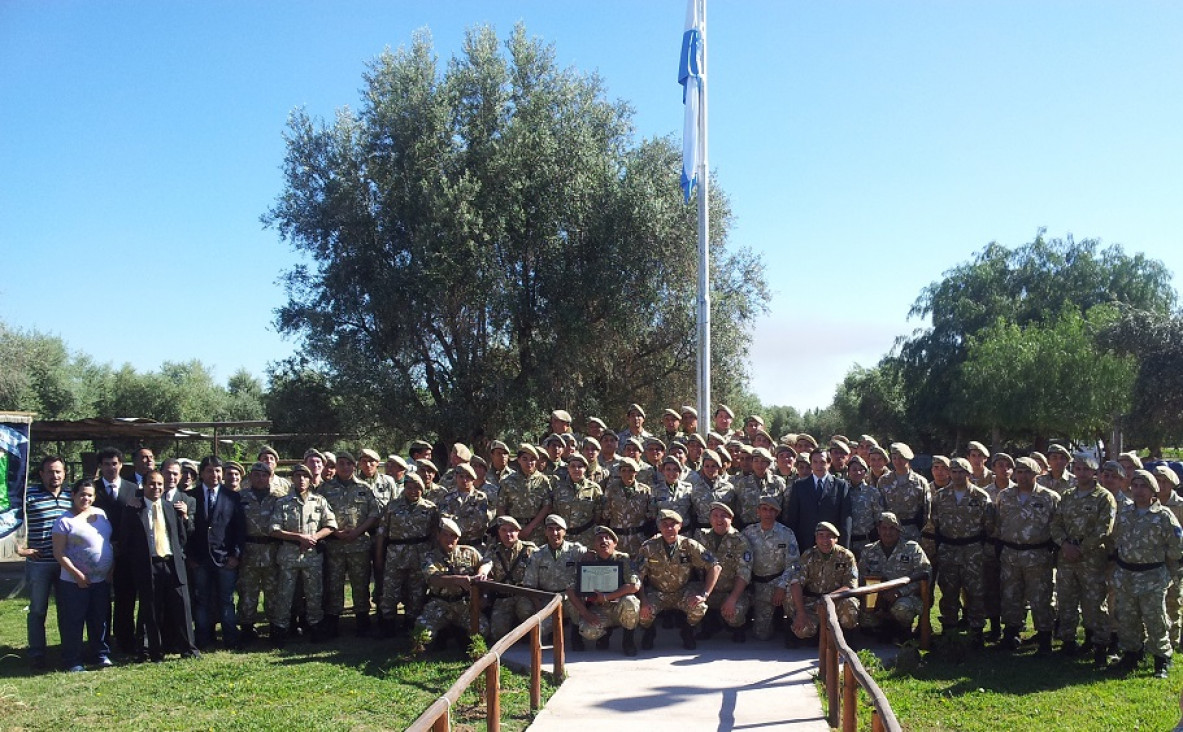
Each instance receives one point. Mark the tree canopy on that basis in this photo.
(487, 243)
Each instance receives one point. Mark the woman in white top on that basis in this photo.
(82, 546)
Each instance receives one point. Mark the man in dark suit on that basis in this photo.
(112, 494)
(212, 553)
(815, 498)
(152, 537)
(184, 503)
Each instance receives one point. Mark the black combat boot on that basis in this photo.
(577, 640)
(995, 631)
(278, 636)
(604, 641)
(1069, 647)
(1043, 639)
(709, 626)
(1010, 639)
(362, 629)
(329, 626)
(1128, 663)
(629, 643)
(1100, 657)
(648, 637)
(1162, 666)
(688, 640)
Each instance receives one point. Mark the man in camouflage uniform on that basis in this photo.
(280, 486)
(776, 565)
(401, 546)
(890, 558)
(468, 507)
(636, 425)
(877, 465)
(449, 570)
(553, 447)
(708, 485)
(1058, 478)
(428, 472)
(579, 500)
(730, 600)
(980, 473)
(348, 549)
(507, 560)
(1025, 513)
(552, 569)
(1168, 480)
(825, 567)
(695, 447)
(905, 493)
(760, 484)
(962, 519)
(1002, 465)
(525, 495)
(384, 487)
(670, 491)
(597, 614)
(628, 507)
(499, 468)
(590, 449)
(665, 563)
(1148, 543)
(301, 520)
(1082, 528)
(866, 503)
(459, 455)
(256, 568)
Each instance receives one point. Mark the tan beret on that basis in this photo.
(466, 469)
(720, 506)
(667, 513)
(726, 410)
(628, 462)
(562, 415)
(1167, 473)
(447, 524)
(371, 454)
(1027, 463)
(556, 520)
(902, 449)
(1003, 457)
(975, 445)
(827, 526)
(941, 460)
(961, 464)
(889, 518)
(462, 451)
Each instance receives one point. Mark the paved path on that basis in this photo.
(720, 686)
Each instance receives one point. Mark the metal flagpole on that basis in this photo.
(704, 249)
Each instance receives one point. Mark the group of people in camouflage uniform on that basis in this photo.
(723, 529)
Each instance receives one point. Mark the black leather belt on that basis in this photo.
(1046, 545)
(964, 541)
(764, 578)
(449, 599)
(1132, 567)
(261, 540)
(860, 537)
(404, 542)
(626, 532)
(582, 528)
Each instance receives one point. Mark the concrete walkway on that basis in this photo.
(719, 686)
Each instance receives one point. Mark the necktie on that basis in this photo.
(213, 500)
(159, 530)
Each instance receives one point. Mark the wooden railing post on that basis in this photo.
(493, 697)
(443, 723)
(849, 699)
(831, 674)
(925, 614)
(560, 644)
(535, 668)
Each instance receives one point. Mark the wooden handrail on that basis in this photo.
(832, 644)
(438, 716)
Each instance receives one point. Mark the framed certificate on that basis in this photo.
(596, 577)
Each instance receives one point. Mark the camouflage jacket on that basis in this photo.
(775, 555)
(750, 489)
(822, 573)
(703, 494)
(734, 555)
(553, 570)
(1085, 518)
(471, 511)
(439, 563)
(1029, 523)
(302, 516)
(509, 563)
(666, 567)
(905, 560)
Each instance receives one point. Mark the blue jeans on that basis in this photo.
(213, 597)
(41, 579)
(80, 607)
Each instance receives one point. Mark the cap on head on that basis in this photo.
(667, 513)
(636, 409)
(691, 411)
(1166, 472)
(397, 460)
(961, 464)
(827, 526)
(1004, 457)
(447, 524)
(562, 415)
(554, 519)
(606, 531)
(508, 521)
(941, 460)
(720, 506)
(902, 449)
(1028, 463)
(1089, 461)
(889, 518)
(261, 467)
(975, 445)
(772, 501)
(466, 469)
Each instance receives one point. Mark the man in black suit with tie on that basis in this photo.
(815, 498)
(152, 537)
(112, 494)
(212, 553)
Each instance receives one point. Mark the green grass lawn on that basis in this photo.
(346, 684)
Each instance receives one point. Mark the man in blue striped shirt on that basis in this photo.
(43, 505)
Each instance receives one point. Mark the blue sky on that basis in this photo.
(867, 147)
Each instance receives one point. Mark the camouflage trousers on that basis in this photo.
(252, 582)
(742, 604)
(847, 615)
(1142, 610)
(962, 570)
(285, 591)
(355, 564)
(525, 607)
(991, 583)
(402, 584)
(504, 616)
(1080, 591)
(903, 611)
(1026, 580)
(1175, 606)
(763, 611)
(620, 613)
(440, 613)
(682, 600)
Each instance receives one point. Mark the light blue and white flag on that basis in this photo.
(690, 76)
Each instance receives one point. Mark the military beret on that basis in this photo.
(593, 442)
(902, 449)
(420, 445)
(397, 460)
(413, 479)
(1057, 449)
(466, 469)
(478, 462)
(650, 441)
(261, 467)
(975, 445)
(667, 513)
(676, 446)
(598, 421)
(941, 460)
(268, 450)
(235, 465)
(734, 444)
(557, 520)
(1132, 457)
(551, 439)
(878, 450)
(508, 521)
(839, 438)
(628, 462)
(345, 456)
(763, 433)
(827, 526)
(447, 524)
(726, 410)
(610, 435)
(1086, 459)
(696, 439)
(1027, 464)
(527, 449)
(711, 455)
(670, 460)
(770, 501)
(808, 438)
(960, 464)
(802, 457)
(1167, 473)
(689, 410)
(1004, 457)
(719, 505)
(635, 442)
(422, 465)
(785, 448)
(313, 452)
(635, 408)
(840, 446)
(763, 454)
(858, 460)
(301, 468)
(887, 517)
(606, 531)
(462, 451)
(747, 449)
(869, 440)
(568, 438)
(1147, 476)
(789, 438)
(562, 415)
(1040, 459)
(1114, 466)
(754, 418)
(577, 458)
(671, 413)
(371, 454)
(498, 445)
(330, 457)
